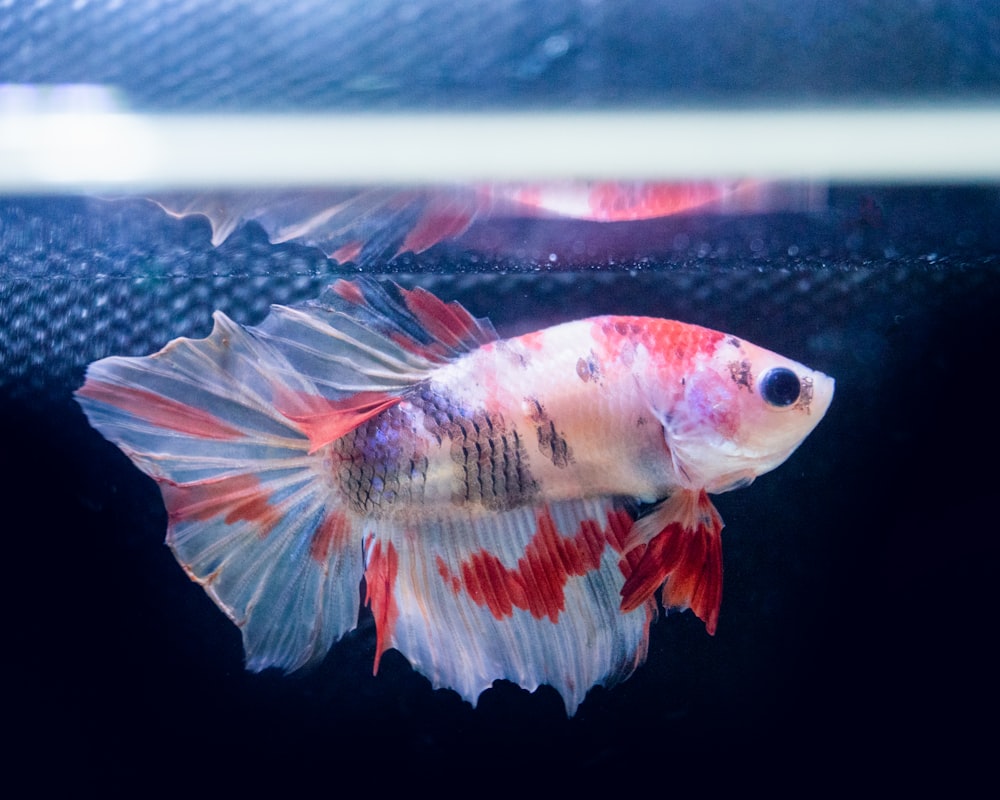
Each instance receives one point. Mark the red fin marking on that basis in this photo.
(333, 534)
(238, 497)
(380, 579)
(323, 420)
(449, 323)
(687, 554)
(536, 584)
(160, 411)
(347, 252)
(435, 226)
(590, 541)
(657, 560)
(453, 581)
(349, 291)
(619, 527)
(432, 352)
(698, 583)
(478, 576)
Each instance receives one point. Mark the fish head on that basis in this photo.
(739, 412)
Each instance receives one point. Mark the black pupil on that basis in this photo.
(780, 387)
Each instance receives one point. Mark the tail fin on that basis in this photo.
(234, 428)
(679, 541)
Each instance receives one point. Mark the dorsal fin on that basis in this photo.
(360, 346)
(364, 336)
(414, 319)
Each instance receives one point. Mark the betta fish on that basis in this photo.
(515, 508)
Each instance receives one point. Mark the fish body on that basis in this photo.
(485, 490)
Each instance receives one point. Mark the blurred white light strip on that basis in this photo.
(61, 150)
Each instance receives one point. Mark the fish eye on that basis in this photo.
(780, 387)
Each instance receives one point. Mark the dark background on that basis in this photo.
(856, 642)
(311, 55)
(856, 630)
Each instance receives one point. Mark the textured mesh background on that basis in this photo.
(84, 278)
(858, 576)
(240, 55)
(854, 643)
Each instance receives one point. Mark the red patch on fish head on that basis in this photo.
(672, 346)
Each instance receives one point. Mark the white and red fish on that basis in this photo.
(485, 490)
(358, 224)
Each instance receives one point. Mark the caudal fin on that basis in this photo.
(250, 516)
(234, 428)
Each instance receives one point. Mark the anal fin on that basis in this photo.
(530, 595)
(680, 542)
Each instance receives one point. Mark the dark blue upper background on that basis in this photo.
(311, 55)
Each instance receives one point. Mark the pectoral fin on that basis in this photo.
(680, 542)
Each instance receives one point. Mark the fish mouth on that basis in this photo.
(822, 395)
